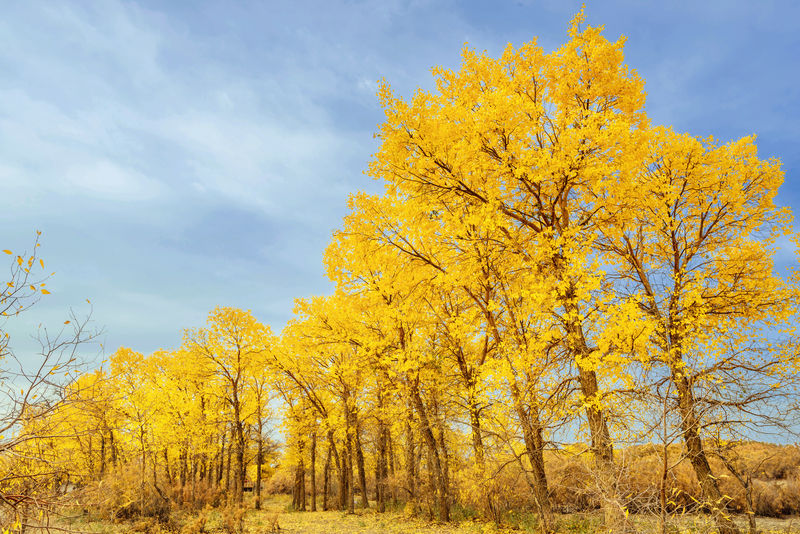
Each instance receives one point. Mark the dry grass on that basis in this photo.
(369, 522)
(275, 510)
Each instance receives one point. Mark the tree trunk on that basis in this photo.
(313, 472)
(390, 446)
(662, 493)
(349, 472)
(411, 476)
(194, 478)
(480, 455)
(751, 513)
(259, 462)
(296, 489)
(326, 479)
(221, 469)
(440, 480)
(102, 455)
(143, 470)
(362, 476)
(534, 446)
(167, 467)
(300, 479)
(341, 468)
(154, 456)
(603, 452)
(381, 468)
(112, 446)
(238, 488)
(299, 492)
(601, 445)
(697, 455)
(228, 469)
(302, 485)
(183, 467)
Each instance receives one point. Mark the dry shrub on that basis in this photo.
(197, 525)
(776, 498)
(282, 481)
(683, 488)
(768, 461)
(196, 496)
(571, 483)
(121, 495)
(774, 469)
(473, 489)
(272, 522)
(503, 481)
(775, 478)
(233, 519)
(395, 484)
(640, 480)
(766, 498)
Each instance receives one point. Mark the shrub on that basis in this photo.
(121, 495)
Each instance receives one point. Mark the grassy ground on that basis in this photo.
(276, 507)
(369, 522)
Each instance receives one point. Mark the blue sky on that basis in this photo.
(183, 155)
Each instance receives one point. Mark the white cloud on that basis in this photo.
(107, 180)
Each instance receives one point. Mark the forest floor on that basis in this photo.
(370, 522)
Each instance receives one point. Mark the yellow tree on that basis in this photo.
(92, 417)
(137, 406)
(528, 144)
(405, 347)
(302, 383)
(327, 340)
(179, 385)
(480, 308)
(260, 386)
(231, 349)
(698, 253)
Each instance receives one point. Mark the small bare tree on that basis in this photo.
(32, 388)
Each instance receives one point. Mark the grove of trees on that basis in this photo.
(548, 282)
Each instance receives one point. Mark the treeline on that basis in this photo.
(545, 269)
(179, 427)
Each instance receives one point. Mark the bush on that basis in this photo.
(196, 496)
(281, 481)
(121, 495)
(233, 519)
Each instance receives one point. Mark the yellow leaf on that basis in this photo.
(7, 251)
(45, 292)
(66, 322)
